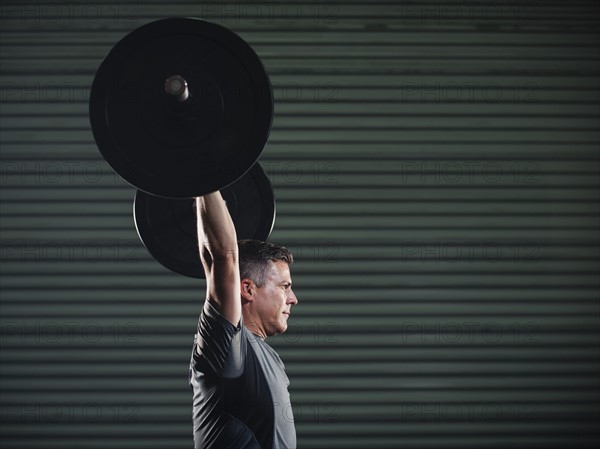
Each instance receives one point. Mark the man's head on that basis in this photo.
(266, 286)
(255, 257)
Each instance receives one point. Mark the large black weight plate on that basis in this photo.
(167, 227)
(181, 151)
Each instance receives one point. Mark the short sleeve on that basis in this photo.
(217, 350)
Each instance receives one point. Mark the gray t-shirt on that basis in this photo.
(241, 400)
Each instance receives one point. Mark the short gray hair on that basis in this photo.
(254, 258)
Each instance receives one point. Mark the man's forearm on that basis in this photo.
(216, 232)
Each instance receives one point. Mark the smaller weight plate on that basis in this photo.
(167, 227)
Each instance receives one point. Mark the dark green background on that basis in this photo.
(436, 172)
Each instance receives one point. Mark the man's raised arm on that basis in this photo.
(217, 241)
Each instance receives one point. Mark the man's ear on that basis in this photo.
(248, 289)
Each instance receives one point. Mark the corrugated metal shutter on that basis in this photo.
(436, 169)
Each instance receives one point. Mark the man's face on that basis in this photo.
(275, 299)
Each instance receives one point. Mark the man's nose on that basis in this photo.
(292, 298)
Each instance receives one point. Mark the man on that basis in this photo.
(241, 400)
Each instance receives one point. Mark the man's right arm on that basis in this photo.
(217, 241)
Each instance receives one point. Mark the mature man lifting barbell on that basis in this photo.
(182, 109)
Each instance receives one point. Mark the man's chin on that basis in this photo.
(278, 330)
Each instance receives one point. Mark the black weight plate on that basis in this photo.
(167, 226)
(186, 150)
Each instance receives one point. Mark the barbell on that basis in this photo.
(180, 108)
